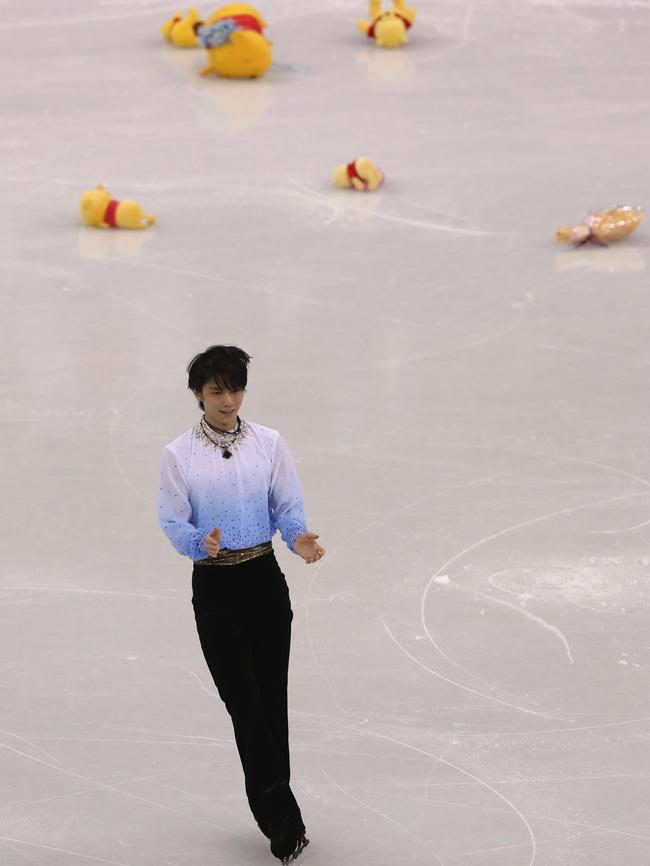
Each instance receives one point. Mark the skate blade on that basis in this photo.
(294, 856)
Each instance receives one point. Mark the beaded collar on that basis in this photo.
(225, 442)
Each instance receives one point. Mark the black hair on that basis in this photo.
(227, 365)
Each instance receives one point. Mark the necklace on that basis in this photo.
(226, 442)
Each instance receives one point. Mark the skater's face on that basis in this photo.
(221, 404)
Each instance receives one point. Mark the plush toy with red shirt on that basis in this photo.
(388, 28)
(360, 174)
(235, 42)
(99, 208)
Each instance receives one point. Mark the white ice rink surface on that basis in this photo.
(467, 403)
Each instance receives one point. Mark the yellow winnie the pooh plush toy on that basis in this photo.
(99, 208)
(182, 31)
(234, 39)
(388, 28)
(361, 174)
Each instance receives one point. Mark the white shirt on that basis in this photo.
(248, 497)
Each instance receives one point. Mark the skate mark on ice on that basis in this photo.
(534, 618)
(620, 531)
(383, 815)
(460, 685)
(100, 786)
(81, 591)
(501, 533)
(322, 198)
(30, 743)
(532, 843)
(63, 851)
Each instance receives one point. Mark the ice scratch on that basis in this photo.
(531, 616)
(376, 811)
(64, 851)
(484, 784)
(510, 529)
(460, 685)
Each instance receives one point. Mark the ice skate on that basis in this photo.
(300, 846)
(289, 839)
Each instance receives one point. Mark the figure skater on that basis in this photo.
(226, 486)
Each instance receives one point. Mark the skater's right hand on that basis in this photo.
(212, 542)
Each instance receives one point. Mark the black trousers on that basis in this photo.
(243, 617)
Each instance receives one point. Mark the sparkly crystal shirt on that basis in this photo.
(249, 496)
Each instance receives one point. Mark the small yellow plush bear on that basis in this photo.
(388, 29)
(99, 208)
(361, 174)
(182, 31)
(234, 39)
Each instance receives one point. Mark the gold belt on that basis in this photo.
(235, 557)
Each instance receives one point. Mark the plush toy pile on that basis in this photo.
(233, 37)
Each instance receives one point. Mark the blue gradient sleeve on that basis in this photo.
(285, 496)
(175, 511)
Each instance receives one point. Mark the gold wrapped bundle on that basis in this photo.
(602, 226)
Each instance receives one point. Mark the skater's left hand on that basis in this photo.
(307, 547)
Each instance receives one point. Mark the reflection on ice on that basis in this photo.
(614, 259)
(387, 67)
(241, 103)
(97, 244)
